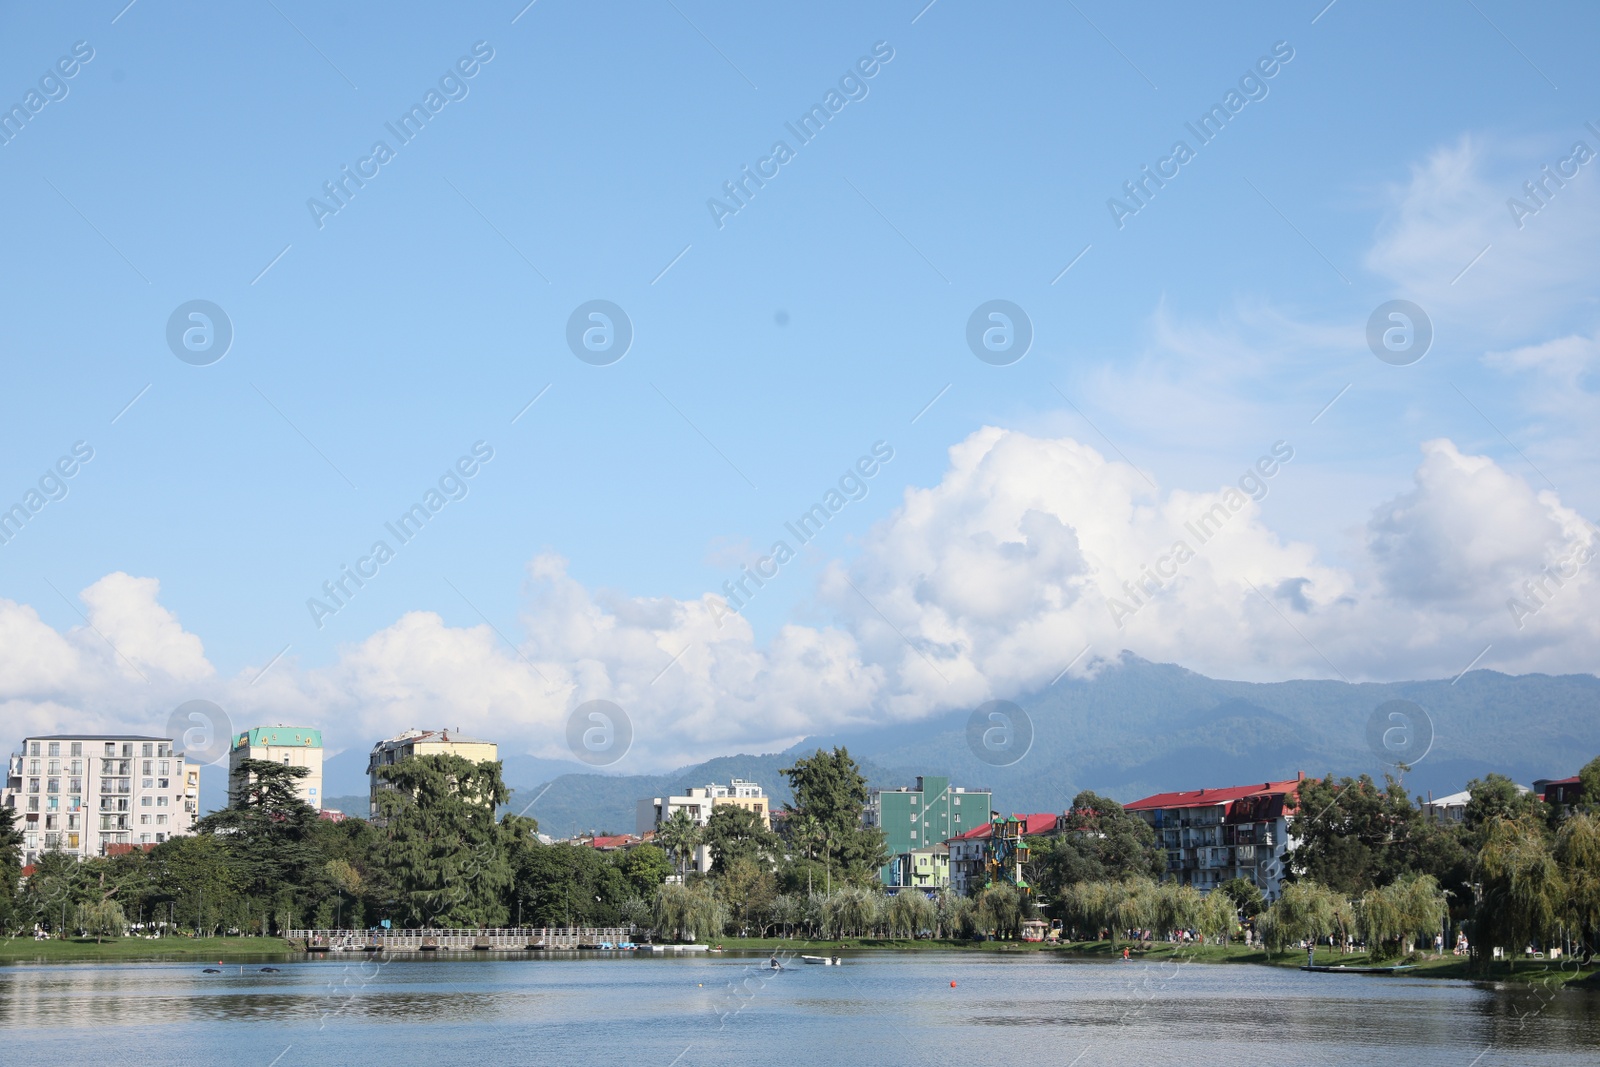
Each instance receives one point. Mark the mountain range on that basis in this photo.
(1134, 728)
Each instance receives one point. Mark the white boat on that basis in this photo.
(826, 961)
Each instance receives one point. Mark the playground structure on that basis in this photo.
(1006, 852)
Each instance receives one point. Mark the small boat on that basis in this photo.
(1323, 968)
(826, 961)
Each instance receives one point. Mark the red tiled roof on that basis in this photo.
(1040, 823)
(123, 850)
(1205, 798)
(619, 841)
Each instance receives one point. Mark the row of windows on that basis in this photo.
(75, 748)
(107, 785)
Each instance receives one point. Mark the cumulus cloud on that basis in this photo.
(1028, 551)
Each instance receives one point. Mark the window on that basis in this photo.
(55, 748)
(147, 783)
(958, 802)
(149, 765)
(144, 802)
(127, 751)
(161, 802)
(33, 764)
(161, 820)
(72, 841)
(33, 748)
(50, 821)
(111, 749)
(163, 749)
(160, 838)
(55, 766)
(148, 750)
(33, 803)
(33, 785)
(166, 766)
(163, 783)
(144, 820)
(144, 839)
(52, 803)
(77, 766)
(52, 785)
(77, 748)
(75, 785)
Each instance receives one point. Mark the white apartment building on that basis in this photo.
(699, 802)
(79, 793)
(292, 746)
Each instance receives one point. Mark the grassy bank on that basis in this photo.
(128, 949)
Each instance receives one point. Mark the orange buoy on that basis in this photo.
(952, 985)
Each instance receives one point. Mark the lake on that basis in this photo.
(880, 1009)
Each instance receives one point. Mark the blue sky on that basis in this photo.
(374, 347)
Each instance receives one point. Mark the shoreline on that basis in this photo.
(18, 951)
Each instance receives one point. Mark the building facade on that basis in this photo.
(699, 802)
(1212, 835)
(1563, 793)
(969, 853)
(421, 743)
(292, 746)
(80, 793)
(930, 814)
(925, 869)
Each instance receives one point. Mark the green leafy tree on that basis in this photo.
(569, 885)
(1353, 835)
(1589, 783)
(1245, 895)
(747, 888)
(1495, 796)
(830, 791)
(446, 852)
(645, 867)
(1099, 842)
(735, 834)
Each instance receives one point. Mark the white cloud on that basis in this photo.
(986, 584)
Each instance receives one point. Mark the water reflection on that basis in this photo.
(882, 1009)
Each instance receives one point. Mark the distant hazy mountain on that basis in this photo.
(1138, 728)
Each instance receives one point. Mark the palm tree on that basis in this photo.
(680, 835)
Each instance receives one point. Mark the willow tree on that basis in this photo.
(449, 856)
(688, 912)
(1305, 912)
(999, 910)
(850, 911)
(1218, 916)
(954, 915)
(909, 913)
(1524, 895)
(1578, 854)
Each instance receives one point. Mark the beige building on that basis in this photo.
(292, 746)
(422, 743)
(79, 793)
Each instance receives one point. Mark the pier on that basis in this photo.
(522, 939)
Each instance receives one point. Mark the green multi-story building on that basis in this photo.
(917, 819)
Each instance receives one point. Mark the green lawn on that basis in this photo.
(27, 950)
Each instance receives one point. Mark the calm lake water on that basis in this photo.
(877, 1009)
